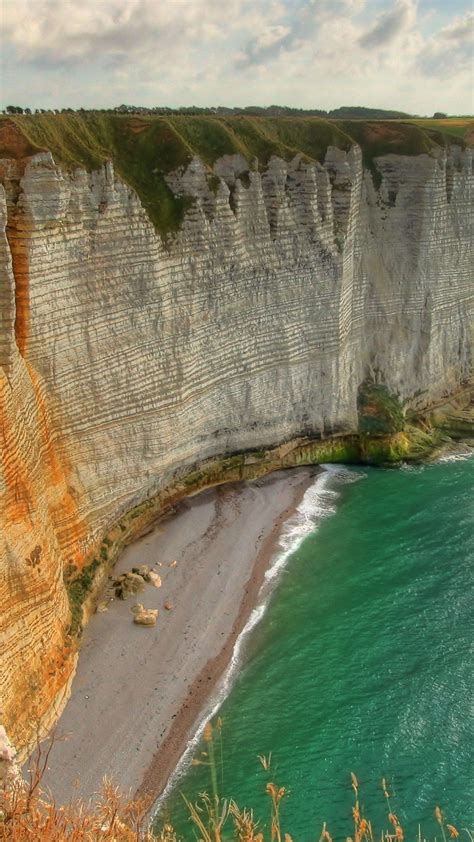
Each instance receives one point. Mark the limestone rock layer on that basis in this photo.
(127, 358)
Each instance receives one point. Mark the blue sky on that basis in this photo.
(413, 55)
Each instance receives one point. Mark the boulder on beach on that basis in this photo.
(128, 584)
(144, 616)
(154, 579)
(168, 606)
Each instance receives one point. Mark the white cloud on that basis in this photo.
(66, 31)
(450, 50)
(302, 26)
(390, 24)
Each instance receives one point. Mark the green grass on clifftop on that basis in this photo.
(144, 148)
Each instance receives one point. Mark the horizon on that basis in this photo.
(413, 56)
(210, 110)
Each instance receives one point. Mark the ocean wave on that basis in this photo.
(319, 502)
(457, 456)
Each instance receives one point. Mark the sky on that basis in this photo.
(409, 55)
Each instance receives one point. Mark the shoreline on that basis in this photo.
(159, 776)
(233, 530)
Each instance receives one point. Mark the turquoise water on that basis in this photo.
(362, 661)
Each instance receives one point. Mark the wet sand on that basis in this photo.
(139, 693)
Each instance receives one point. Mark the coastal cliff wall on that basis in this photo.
(128, 357)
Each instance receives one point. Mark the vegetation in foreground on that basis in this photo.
(28, 813)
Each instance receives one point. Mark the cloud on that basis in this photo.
(389, 25)
(295, 30)
(449, 50)
(267, 44)
(461, 29)
(68, 32)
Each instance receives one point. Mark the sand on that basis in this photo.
(139, 693)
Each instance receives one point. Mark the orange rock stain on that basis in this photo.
(22, 289)
(65, 516)
(19, 498)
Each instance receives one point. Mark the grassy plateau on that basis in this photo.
(145, 148)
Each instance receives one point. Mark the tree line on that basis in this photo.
(343, 113)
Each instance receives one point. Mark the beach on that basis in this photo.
(139, 693)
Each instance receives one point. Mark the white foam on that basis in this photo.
(318, 503)
(408, 467)
(459, 456)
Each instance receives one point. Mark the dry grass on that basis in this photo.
(26, 816)
(27, 813)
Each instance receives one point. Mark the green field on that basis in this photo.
(457, 127)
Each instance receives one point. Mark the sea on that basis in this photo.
(358, 658)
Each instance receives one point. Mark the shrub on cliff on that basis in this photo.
(380, 412)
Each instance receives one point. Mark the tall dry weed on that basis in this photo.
(27, 814)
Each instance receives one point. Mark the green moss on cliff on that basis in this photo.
(409, 445)
(77, 590)
(455, 418)
(343, 449)
(380, 412)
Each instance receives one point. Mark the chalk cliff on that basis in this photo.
(129, 355)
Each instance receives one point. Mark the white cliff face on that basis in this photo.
(417, 270)
(257, 322)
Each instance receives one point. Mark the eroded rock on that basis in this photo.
(144, 616)
(128, 584)
(154, 579)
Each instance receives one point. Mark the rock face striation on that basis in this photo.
(128, 358)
